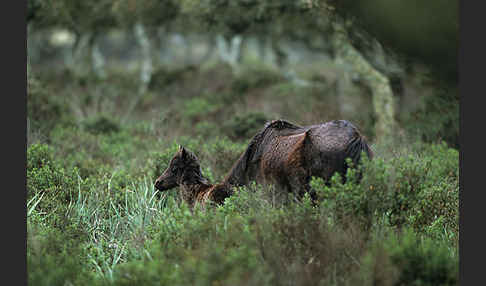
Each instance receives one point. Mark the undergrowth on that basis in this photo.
(117, 234)
(94, 217)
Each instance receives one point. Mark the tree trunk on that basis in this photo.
(146, 60)
(262, 42)
(378, 83)
(209, 51)
(187, 50)
(279, 52)
(97, 60)
(229, 50)
(146, 67)
(76, 59)
(157, 37)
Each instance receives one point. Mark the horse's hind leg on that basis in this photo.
(313, 194)
(299, 185)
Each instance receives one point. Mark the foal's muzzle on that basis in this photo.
(158, 185)
(163, 185)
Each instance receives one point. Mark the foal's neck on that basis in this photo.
(190, 191)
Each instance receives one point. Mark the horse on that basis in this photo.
(288, 155)
(282, 154)
(184, 171)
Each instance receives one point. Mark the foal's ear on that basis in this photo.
(183, 152)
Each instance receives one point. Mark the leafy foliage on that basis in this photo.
(255, 78)
(246, 125)
(438, 119)
(101, 125)
(43, 110)
(404, 191)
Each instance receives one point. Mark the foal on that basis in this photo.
(184, 171)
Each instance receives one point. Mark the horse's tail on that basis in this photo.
(355, 148)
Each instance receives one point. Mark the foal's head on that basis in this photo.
(183, 169)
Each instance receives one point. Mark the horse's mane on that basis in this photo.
(244, 168)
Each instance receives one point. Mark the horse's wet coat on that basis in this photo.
(289, 155)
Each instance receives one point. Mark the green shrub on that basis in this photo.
(245, 126)
(163, 77)
(426, 186)
(38, 156)
(91, 153)
(377, 267)
(101, 125)
(438, 120)
(422, 261)
(53, 258)
(219, 154)
(44, 110)
(365, 201)
(43, 173)
(255, 78)
(407, 259)
(198, 107)
(244, 241)
(413, 189)
(192, 249)
(75, 143)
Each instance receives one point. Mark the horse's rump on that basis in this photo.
(328, 146)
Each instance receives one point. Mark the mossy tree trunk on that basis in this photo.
(378, 83)
(79, 56)
(211, 43)
(97, 60)
(146, 67)
(229, 50)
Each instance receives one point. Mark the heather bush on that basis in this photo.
(246, 125)
(422, 261)
(255, 78)
(101, 124)
(45, 175)
(44, 111)
(419, 188)
(56, 258)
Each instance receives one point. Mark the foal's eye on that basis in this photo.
(174, 167)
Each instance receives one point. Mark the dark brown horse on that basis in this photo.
(184, 171)
(282, 154)
(288, 155)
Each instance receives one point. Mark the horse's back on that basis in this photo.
(282, 150)
(282, 139)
